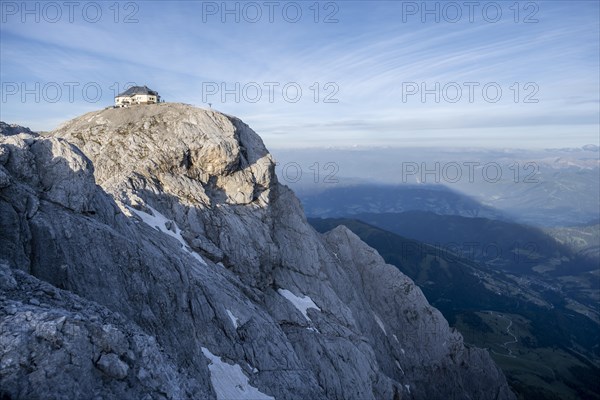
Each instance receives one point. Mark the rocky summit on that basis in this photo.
(149, 252)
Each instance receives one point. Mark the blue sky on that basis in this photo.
(361, 67)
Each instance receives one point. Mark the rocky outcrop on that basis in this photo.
(425, 346)
(190, 239)
(56, 345)
(13, 129)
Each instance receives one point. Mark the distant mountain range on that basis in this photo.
(508, 246)
(360, 199)
(546, 188)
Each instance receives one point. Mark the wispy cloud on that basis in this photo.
(367, 57)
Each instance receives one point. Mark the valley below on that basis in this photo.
(528, 294)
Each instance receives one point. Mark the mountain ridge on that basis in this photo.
(177, 222)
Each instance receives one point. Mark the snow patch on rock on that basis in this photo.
(233, 318)
(399, 366)
(229, 381)
(380, 323)
(163, 224)
(301, 303)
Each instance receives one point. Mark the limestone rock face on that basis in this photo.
(57, 345)
(166, 223)
(199, 168)
(426, 349)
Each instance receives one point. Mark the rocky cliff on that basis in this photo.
(149, 252)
